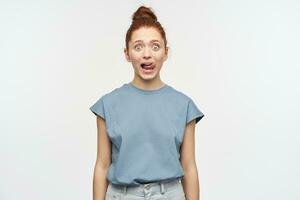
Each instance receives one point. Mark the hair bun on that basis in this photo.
(144, 13)
(144, 17)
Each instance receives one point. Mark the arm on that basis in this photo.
(103, 161)
(190, 180)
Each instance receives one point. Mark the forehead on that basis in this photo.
(146, 34)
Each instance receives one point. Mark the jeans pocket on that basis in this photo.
(176, 194)
(111, 194)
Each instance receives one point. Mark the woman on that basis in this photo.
(146, 127)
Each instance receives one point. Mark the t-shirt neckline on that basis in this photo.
(147, 91)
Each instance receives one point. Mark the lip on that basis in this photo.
(147, 63)
(150, 69)
(150, 65)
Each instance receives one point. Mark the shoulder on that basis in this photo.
(178, 94)
(105, 101)
(112, 94)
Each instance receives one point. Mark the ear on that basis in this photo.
(166, 53)
(126, 55)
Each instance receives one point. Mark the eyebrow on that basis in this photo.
(142, 41)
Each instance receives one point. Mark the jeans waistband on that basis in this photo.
(148, 188)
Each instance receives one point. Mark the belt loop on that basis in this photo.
(162, 189)
(125, 189)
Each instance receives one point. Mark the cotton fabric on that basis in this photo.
(146, 128)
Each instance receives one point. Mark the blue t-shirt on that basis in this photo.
(146, 128)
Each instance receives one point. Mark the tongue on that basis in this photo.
(147, 66)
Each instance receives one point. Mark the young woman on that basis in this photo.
(146, 127)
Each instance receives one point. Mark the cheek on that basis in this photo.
(159, 58)
(135, 57)
(159, 55)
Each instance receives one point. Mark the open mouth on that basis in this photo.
(147, 66)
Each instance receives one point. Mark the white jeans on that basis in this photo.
(171, 190)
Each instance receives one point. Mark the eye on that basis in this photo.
(137, 47)
(156, 46)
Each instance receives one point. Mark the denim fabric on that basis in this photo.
(164, 190)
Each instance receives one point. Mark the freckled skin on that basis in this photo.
(146, 50)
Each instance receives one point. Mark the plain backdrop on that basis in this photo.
(238, 60)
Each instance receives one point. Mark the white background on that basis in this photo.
(238, 60)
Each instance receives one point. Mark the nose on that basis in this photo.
(147, 53)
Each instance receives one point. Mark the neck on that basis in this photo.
(148, 84)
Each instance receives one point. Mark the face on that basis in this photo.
(146, 52)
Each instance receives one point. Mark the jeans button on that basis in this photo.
(147, 187)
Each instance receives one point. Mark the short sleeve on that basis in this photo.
(98, 108)
(193, 112)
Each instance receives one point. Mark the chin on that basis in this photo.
(147, 76)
